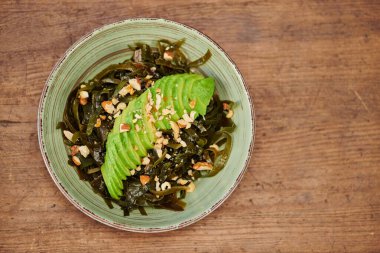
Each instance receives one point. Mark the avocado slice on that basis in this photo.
(169, 95)
(135, 139)
(107, 174)
(128, 119)
(129, 153)
(159, 125)
(177, 95)
(200, 92)
(186, 91)
(109, 177)
(124, 150)
(148, 128)
(124, 146)
(118, 164)
(122, 171)
(144, 140)
(166, 86)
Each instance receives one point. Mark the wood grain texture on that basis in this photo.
(313, 184)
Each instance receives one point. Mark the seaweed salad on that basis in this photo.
(141, 132)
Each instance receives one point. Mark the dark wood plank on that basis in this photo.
(313, 184)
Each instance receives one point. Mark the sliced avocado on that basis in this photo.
(130, 153)
(177, 91)
(158, 124)
(178, 94)
(145, 140)
(128, 119)
(120, 170)
(117, 175)
(107, 173)
(123, 118)
(186, 91)
(164, 84)
(117, 122)
(148, 127)
(202, 91)
(170, 86)
(135, 139)
(117, 162)
(122, 148)
(112, 167)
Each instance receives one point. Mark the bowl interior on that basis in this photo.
(108, 45)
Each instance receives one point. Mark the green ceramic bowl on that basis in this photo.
(107, 45)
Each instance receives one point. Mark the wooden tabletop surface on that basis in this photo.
(313, 70)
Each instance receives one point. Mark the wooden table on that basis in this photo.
(313, 184)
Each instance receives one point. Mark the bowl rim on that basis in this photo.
(71, 199)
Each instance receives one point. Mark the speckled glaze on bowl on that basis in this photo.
(107, 45)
